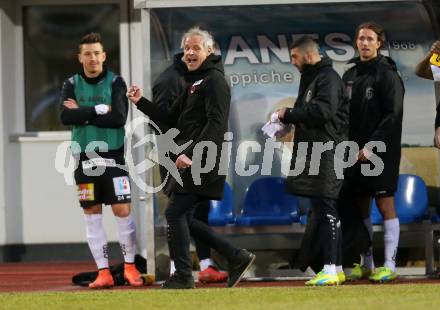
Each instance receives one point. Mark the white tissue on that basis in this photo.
(274, 127)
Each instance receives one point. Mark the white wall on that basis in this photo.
(7, 99)
(2, 192)
(50, 208)
(36, 206)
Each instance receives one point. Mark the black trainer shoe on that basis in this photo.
(238, 266)
(177, 282)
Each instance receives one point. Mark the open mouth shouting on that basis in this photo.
(192, 62)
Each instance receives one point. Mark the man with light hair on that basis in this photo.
(320, 116)
(206, 39)
(166, 89)
(200, 114)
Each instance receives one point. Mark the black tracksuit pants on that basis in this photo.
(182, 224)
(201, 213)
(329, 229)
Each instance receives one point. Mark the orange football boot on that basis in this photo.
(103, 280)
(132, 275)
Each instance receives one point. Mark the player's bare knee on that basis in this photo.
(121, 210)
(96, 209)
(386, 207)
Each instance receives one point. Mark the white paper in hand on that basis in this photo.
(274, 127)
(270, 129)
(274, 118)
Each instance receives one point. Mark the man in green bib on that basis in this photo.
(94, 103)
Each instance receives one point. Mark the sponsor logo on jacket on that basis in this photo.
(349, 89)
(369, 93)
(195, 86)
(308, 96)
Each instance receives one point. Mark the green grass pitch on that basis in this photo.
(403, 296)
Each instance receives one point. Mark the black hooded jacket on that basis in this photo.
(375, 91)
(200, 114)
(166, 89)
(170, 84)
(320, 114)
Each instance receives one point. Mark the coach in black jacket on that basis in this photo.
(320, 116)
(200, 114)
(375, 92)
(166, 89)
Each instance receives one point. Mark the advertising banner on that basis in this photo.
(254, 43)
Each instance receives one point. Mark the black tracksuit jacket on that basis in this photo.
(375, 91)
(200, 113)
(320, 114)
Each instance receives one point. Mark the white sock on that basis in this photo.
(339, 269)
(367, 259)
(330, 269)
(205, 263)
(172, 267)
(127, 237)
(391, 241)
(97, 239)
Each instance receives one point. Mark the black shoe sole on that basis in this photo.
(177, 288)
(178, 285)
(244, 271)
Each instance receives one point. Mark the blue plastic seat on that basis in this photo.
(220, 211)
(435, 218)
(267, 203)
(303, 219)
(410, 200)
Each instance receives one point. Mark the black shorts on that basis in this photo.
(102, 181)
(361, 188)
(383, 193)
(383, 185)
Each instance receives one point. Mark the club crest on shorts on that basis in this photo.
(121, 185)
(369, 93)
(308, 96)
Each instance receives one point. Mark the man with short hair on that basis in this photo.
(320, 116)
(375, 92)
(95, 105)
(200, 114)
